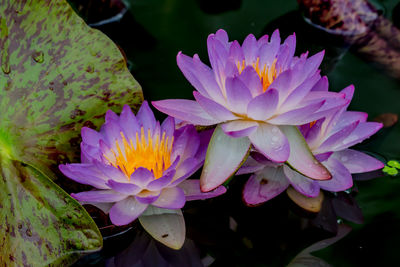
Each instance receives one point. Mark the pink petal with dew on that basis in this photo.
(224, 156)
(271, 142)
(357, 162)
(126, 211)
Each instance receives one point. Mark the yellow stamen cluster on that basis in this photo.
(153, 153)
(267, 74)
(312, 123)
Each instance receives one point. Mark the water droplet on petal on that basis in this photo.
(275, 130)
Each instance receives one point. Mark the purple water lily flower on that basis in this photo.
(134, 162)
(251, 92)
(328, 139)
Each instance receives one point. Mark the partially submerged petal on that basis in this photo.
(224, 156)
(301, 158)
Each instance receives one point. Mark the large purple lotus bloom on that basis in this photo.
(328, 139)
(251, 91)
(134, 162)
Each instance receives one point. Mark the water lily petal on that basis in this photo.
(99, 196)
(147, 197)
(186, 169)
(129, 123)
(357, 162)
(193, 192)
(165, 225)
(84, 174)
(250, 77)
(91, 137)
(126, 211)
(297, 116)
(362, 132)
(301, 158)
(341, 177)
(224, 156)
(171, 198)
(250, 166)
(200, 76)
(124, 188)
(264, 185)
(336, 138)
(161, 182)
(239, 128)
(271, 142)
(250, 48)
(238, 95)
(146, 117)
(186, 110)
(302, 184)
(186, 143)
(141, 177)
(264, 105)
(217, 111)
(168, 127)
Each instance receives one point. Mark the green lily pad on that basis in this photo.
(40, 223)
(56, 76)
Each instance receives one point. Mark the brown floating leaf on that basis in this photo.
(388, 119)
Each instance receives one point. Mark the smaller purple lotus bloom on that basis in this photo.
(328, 139)
(251, 92)
(134, 162)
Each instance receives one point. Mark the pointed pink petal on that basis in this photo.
(124, 188)
(238, 95)
(301, 158)
(224, 156)
(99, 196)
(126, 211)
(341, 177)
(336, 138)
(170, 198)
(141, 177)
(264, 185)
(297, 116)
(84, 174)
(250, 166)
(200, 76)
(91, 137)
(128, 123)
(363, 131)
(297, 95)
(145, 117)
(239, 128)
(186, 169)
(215, 110)
(357, 162)
(271, 142)
(186, 143)
(264, 105)
(321, 85)
(193, 192)
(250, 48)
(250, 77)
(302, 184)
(161, 182)
(186, 110)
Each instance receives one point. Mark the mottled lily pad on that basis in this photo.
(56, 75)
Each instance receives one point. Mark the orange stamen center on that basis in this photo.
(312, 123)
(267, 74)
(152, 153)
